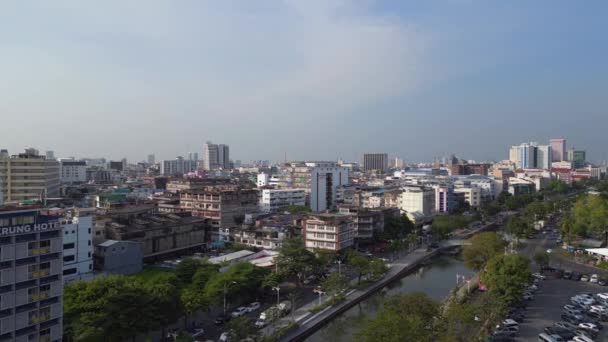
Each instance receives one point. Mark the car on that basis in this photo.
(517, 317)
(573, 310)
(502, 336)
(221, 319)
(238, 312)
(510, 323)
(584, 277)
(224, 337)
(594, 278)
(572, 318)
(506, 331)
(310, 279)
(576, 276)
(254, 307)
(528, 296)
(197, 332)
(567, 275)
(603, 296)
(318, 290)
(602, 282)
(564, 333)
(542, 337)
(566, 325)
(260, 323)
(539, 276)
(600, 308)
(589, 326)
(582, 338)
(596, 315)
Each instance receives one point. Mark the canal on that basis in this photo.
(436, 279)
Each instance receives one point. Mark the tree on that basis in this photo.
(186, 269)
(590, 215)
(567, 228)
(481, 248)
(542, 259)
(396, 228)
(536, 211)
(404, 318)
(192, 300)
(376, 269)
(506, 277)
(294, 259)
(203, 274)
(297, 209)
(335, 283)
(241, 328)
(239, 280)
(325, 257)
(518, 227)
(358, 261)
(443, 225)
(183, 336)
(165, 305)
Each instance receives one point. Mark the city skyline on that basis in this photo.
(399, 77)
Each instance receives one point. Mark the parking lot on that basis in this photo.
(546, 307)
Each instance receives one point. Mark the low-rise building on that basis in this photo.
(334, 232)
(119, 257)
(368, 222)
(273, 200)
(417, 199)
(472, 195)
(73, 171)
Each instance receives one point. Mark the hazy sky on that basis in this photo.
(318, 79)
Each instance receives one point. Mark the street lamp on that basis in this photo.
(339, 262)
(225, 292)
(278, 289)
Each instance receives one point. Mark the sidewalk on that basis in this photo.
(309, 322)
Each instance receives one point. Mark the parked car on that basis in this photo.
(602, 282)
(224, 337)
(539, 276)
(567, 275)
(603, 296)
(572, 319)
(576, 276)
(254, 307)
(566, 325)
(509, 331)
(221, 319)
(571, 309)
(238, 312)
(564, 333)
(510, 323)
(599, 316)
(584, 277)
(582, 338)
(260, 323)
(310, 279)
(594, 278)
(543, 337)
(589, 326)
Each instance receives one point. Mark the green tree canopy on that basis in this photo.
(241, 328)
(506, 276)
(335, 283)
(185, 269)
(481, 248)
(397, 228)
(358, 261)
(590, 215)
(542, 259)
(239, 279)
(294, 259)
(404, 318)
(445, 224)
(518, 227)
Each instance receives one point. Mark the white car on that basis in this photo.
(539, 276)
(225, 337)
(582, 338)
(254, 307)
(240, 311)
(510, 323)
(584, 277)
(589, 327)
(599, 308)
(603, 296)
(594, 278)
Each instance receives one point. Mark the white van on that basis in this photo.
(549, 338)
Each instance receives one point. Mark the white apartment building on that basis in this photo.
(72, 171)
(334, 232)
(472, 195)
(417, 199)
(263, 179)
(325, 178)
(178, 166)
(77, 245)
(276, 199)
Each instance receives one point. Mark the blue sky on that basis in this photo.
(316, 79)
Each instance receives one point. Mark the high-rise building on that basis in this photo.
(29, 176)
(216, 156)
(223, 156)
(375, 162)
(577, 157)
(193, 156)
(527, 156)
(50, 155)
(151, 159)
(558, 148)
(325, 178)
(544, 157)
(31, 286)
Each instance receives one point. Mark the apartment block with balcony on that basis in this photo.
(334, 232)
(31, 266)
(78, 244)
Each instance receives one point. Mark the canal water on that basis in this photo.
(436, 279)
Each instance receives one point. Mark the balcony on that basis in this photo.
(39, 296)
(39, 274)
(35, 319)
(38, 251)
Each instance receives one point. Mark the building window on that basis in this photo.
(69, 245)
(68, 258)
(69, 271)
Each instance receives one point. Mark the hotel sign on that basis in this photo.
(30, 228)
